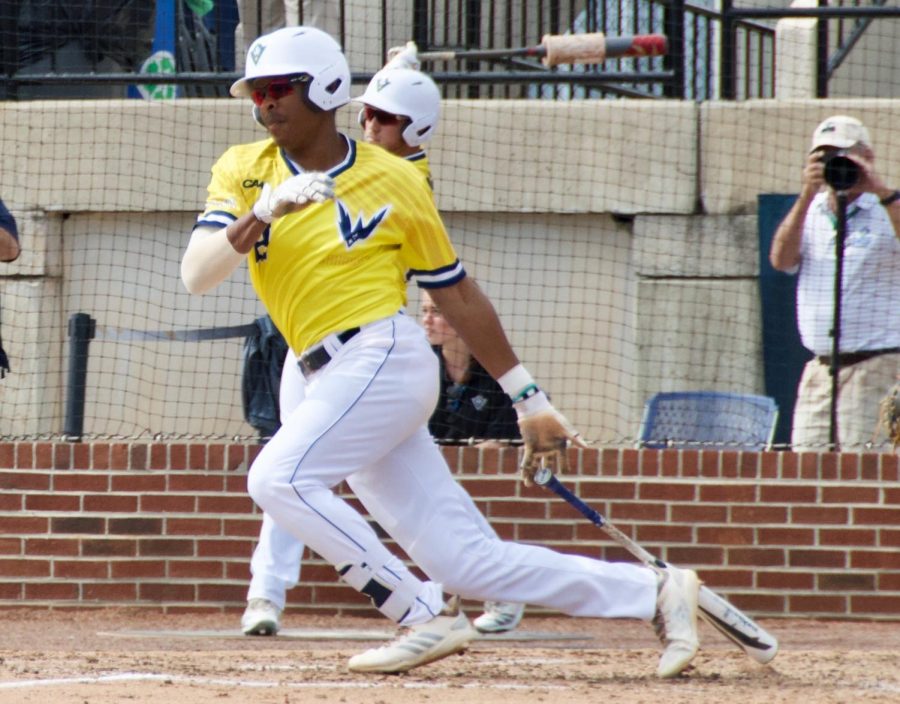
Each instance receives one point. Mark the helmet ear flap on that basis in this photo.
(257, 116)
(361, 118)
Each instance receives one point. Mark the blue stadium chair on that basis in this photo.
(696, 419)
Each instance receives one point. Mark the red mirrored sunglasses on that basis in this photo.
(385, 118)
(276, 89)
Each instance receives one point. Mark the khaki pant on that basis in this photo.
(860, 390)
(263, 16)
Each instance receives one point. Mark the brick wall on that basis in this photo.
(171, 526)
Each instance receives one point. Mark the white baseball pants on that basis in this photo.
(363, 419)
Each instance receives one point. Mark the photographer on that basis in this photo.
(842, 160)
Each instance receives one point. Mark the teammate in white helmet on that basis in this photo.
(401, 110)
(329, 240)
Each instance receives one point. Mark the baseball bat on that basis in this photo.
(730, 621)
(555, 49)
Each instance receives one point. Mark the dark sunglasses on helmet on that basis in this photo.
(276, 89)
(385, 118)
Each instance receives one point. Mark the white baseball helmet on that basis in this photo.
(406, 92)
(299, 50)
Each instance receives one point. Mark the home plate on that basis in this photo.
(319, 634)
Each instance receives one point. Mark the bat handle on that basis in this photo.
(544, 477)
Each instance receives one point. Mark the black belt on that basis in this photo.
(317, 358)
(848, 359)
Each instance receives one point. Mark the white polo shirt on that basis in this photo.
(870, 303)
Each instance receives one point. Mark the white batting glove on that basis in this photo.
(404, 57)
(292, 195)
(546, 434)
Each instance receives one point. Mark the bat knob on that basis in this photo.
(542, 476)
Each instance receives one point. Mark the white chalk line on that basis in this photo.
(340, 684)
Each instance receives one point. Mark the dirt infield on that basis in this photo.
(115, 656)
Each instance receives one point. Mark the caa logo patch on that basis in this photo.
(353, 232)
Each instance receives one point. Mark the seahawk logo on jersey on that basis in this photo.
(354, 232)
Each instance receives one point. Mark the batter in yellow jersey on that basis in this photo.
(343, 263)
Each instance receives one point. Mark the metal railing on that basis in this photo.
(716, 50)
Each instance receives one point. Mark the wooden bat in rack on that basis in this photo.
(555, 49)
(730, 621)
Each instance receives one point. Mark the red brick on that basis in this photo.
(819, 515)
(77, 524)
(11, 502)
(527, 510)
(81, 456)
(828, 464)
(234, 594)
(690, 463)
(118, 456)
(868, 469)
(224, 504)
(101, 456)
(189, 481)
(667, 491)
(62, 456)
(178, 457)
(24, 567)
(699, 513)
(848, 537)
(224, 548)
(890, 466)
(786, 536)
(82, 482)
(749, 465)
(197, 456)
(111, 503)
(139, 482)
(769, 465)
(137, 456)
(43, 455)
(728, 493)
(195, 526)
(10, 546)
(817, 558)
(889, 538)
(27, 481)
(606, 489)
(51, 591)
(138, 569)
(81, 569)
(24, 455)
(665, 533)
(163, 591)
(809, 465)
(116, 592)
(876, 516)
(650, 462)
(790, 465)
(879, 605)
(7, 455)
(786, 580)
(850, 494)
(135, 526)
(52, 502)
(709, 463)
(168, 503)
(236, 484)
(542, 532)
(718, 579)
(759, 513)
(670, 463)
(875, 559)
(818, 604)
(16, 524)
(11, 591)
(759, 557)
(245, 528)
(690, 555)
(159, 456)
(640, 512)
(788, 494)
(483, 488)
(108, 547)
(629, 463)
(846, 581)
(195, 569)
(726, 535)
(148, 547)
(52, 546)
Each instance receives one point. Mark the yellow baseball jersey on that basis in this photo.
(343, 263)
(420, 161)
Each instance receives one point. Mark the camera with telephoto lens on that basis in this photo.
(841, 172)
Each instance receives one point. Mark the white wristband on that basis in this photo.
(515, 381)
